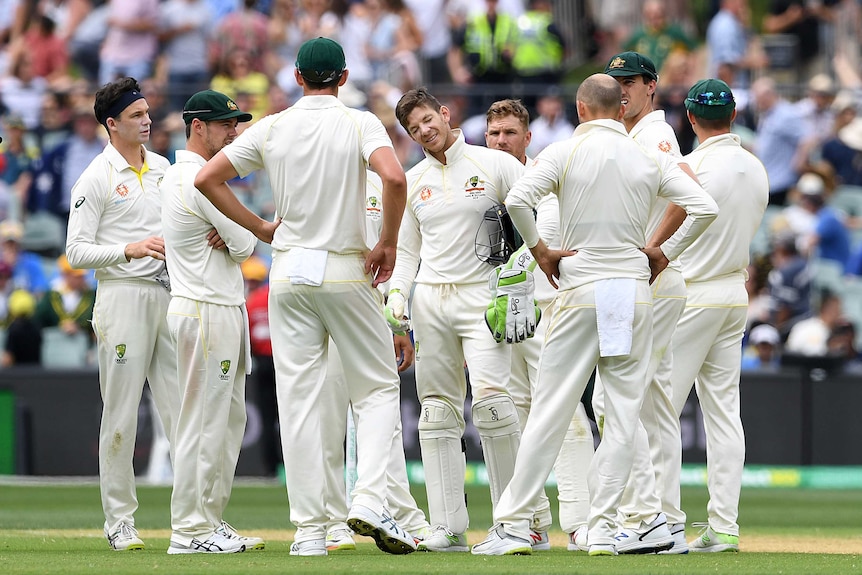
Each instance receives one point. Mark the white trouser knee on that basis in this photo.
(496, 420)
(440, 430)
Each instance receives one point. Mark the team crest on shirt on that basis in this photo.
(474, 187)
(120, 348)
(225, 367)
(122, 190)
(372, 208)
(425, 199)
(425, 194)
(665, 146)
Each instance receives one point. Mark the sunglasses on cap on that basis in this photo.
(712, 99)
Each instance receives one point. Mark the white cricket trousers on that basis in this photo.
(571, 352)
(708, 353)
(133, 346)
(399, 500)
(576, 453)
(658, 446)
(210, 349)
(302, 318)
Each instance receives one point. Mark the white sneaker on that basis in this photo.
(601, 550)
(125, 538)
(710, 541)
(650, 538)
(310, 548)
(680, 545)
(578, 539)
(443, 540)
(539, 540)
(421, 534)
(388, 536)
(214, 543)
(251, 543)
(340, 540)
(499, 542)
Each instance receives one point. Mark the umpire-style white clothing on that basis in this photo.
(315, 154)
(446, 204)
(708, 340)
(209, 328)
(113, 205)
(605, 183)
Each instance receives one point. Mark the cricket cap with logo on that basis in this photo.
(321, 60)
(631, 64)
(710, 99)
(210, 105)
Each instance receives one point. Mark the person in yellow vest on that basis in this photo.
(481, 55)
(540, 49)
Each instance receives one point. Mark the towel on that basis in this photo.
(615, 315)
(305, 266)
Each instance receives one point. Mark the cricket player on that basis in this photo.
(508, 130)
(115, 227)
(322, 284)
(650, 517)
(448, 194)
(602, 315)
(209, 329)
(708, 339)
(399, 500)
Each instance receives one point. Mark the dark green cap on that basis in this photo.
(321, 60)
(211, 105)
(631, 64)
(710, 99)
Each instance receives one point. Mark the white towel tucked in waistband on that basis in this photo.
(615, 314)
(305, 266)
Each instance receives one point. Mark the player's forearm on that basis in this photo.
(394, 201)
(673, 218)
(523, 220)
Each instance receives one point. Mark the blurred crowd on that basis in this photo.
(794, 66)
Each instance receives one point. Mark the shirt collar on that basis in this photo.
(654, 116)
(455, 151)
(318, 102)
(721, 139)
(117, 160)
(188, 156)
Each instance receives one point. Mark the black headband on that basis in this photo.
(124, 101)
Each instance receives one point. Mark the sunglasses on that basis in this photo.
(712, 99)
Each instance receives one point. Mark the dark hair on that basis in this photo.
(317, 86)
(110, 93)
(413, 99)
(714, 125)
(509, 107)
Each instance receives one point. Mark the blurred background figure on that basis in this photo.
(27, 272)
(131, 43)
(23, 334)
(551, 124)
(539, 51)
(764, 346)
(68, 304)
(811, 336)
(184, 32)
(657, 38)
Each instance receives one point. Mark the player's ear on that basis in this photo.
(343, 79)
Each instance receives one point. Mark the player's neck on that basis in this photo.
(632, 122)
(132, 152)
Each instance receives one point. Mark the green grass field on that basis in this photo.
(57, 529)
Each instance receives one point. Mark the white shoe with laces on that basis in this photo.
(499, 542)
(125, 538)
(340, 540)
(649, 538)
(387, 534)
(540, 540)
(251, 543)
(213, 543)
(578, 539)
(310, 548)
(443, 540)
(680, 545)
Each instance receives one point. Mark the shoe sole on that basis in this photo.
(132, 547)
(715, 549)
(384, 542)
(652, 548)
(601, 553)
(542, 547)
(341, 547)
(257, 547)
(188, 551)
(452, 549)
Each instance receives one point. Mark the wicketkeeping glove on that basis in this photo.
(522, 259)
(394, 313)
(513, 314)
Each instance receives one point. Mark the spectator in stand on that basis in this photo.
(27, 273)
(539, 50)
(16, 156)
(6, 289)
(551, 124)
(316, 18)
(758, 291)
(732, 55)
(184, 32)
(57, 170)
(844, 151)
(55, 121)
(430, 16)
(810, 336)
(802, 19)
(263, 373)
(816, 108)
(765, 343)
(829, 240)
(789, 285)
(85, 35)
(47, 49)
(657, 38)
(781, 129)
(285, 37)
(22, 90)
(23, 335)
(481, 55)
(842, 343)
(246, 30)
(131, 44)
(69, 303)
(238, 77)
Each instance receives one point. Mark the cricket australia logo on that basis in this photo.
(121, 353)
(474, 187)
(372, 208)
(617, 63)
(225, 367)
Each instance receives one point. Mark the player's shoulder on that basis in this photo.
(157, 161)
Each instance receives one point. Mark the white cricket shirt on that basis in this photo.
(315, 153)
(446, 204)
(113, 205)
(198, 271)
(605, 183)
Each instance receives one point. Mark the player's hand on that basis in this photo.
(396, 304)
(549, 260)
(513, 314)
(266, 230)
(152, 247)
(380, 262)
(657, 262)
(214, 240)
(403, 351)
